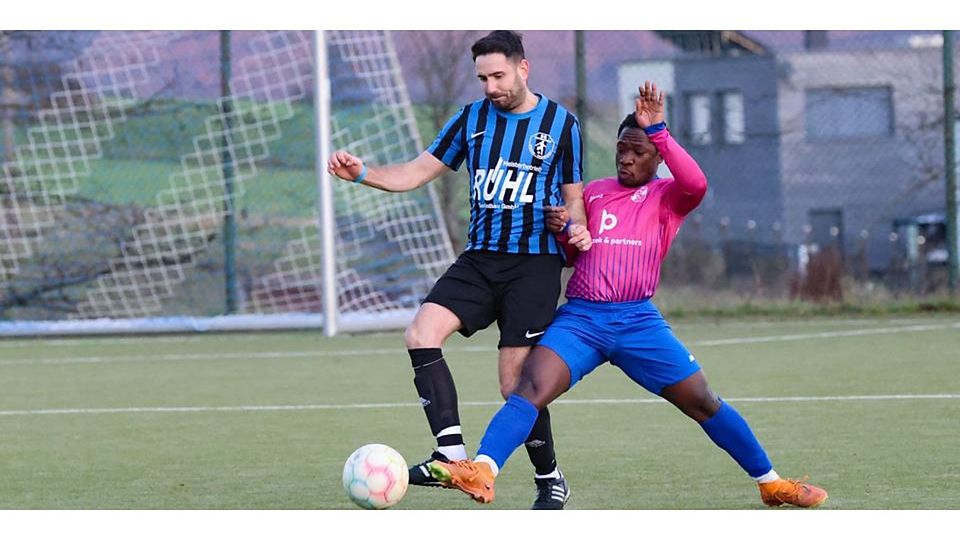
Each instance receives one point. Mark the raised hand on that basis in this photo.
(649, 105)
(344, 165)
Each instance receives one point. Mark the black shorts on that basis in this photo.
(517, 290)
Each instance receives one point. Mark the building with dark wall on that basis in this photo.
(724, 112)
(861, 144)
(835, 145)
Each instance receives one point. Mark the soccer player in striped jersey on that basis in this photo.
(523, 154)
(610, 317)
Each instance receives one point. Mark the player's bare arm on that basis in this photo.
(394, 178)
(573, 202)
(558, 221)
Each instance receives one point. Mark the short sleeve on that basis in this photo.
(572, 155)
(449, 145)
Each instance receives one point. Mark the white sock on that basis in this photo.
(454, 452)
(489, 461)
(771, 476)
(555, 473)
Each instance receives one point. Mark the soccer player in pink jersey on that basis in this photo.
(609, 315)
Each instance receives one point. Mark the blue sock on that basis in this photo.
(730, 431)
(508, 429)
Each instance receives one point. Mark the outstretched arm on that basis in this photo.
(690, 184)
(401, 177)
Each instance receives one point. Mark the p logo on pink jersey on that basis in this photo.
(607, 222)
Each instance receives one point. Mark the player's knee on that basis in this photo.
(537, 392)
(412, 337)
(508, 387)
(711, 404)
(540, 399)
(703, 406)
(524, 388)
(508, 383)
(418, 337)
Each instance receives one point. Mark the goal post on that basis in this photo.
(348, 255)
(328, 271)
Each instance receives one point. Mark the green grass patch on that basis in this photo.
(881, 453)
(691, 302)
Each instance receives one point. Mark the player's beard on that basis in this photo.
(514, 99)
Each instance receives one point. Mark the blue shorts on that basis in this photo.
(632, 335)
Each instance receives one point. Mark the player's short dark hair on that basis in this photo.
(505, 42)
(630, 121)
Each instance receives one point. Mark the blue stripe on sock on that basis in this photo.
(508, 429)
(732, 433)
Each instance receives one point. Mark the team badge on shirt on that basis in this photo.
(639, 195)
(541, 145)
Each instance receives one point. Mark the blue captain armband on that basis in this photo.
(655, 128)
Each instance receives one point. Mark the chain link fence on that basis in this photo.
(824, 152)
(174, 173)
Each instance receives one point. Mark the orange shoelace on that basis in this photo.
(796, 486)
(469, 466)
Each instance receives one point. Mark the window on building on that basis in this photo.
(699, 115)
(848, 113)
(734, 123)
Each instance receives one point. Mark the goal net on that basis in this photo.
(123, 167)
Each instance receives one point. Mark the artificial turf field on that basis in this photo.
(869, 408)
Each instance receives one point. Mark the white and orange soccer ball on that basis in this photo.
(375, 476)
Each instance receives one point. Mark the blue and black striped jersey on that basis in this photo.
(516, 163)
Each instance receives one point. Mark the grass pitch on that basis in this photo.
(868, 408)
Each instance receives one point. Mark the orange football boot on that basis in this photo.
(474, 479)
(795, 492)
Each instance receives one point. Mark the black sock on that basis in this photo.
(539, 445)
(438, 394)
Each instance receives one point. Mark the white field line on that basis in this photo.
(225, 356)
(825, 335)
(468, 349)
(348, 406)
(26, 343)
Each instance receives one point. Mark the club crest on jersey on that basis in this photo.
(541, 145)
(639, 195)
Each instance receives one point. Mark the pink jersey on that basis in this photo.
(632, 228)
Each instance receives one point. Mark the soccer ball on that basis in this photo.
(375, 476)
